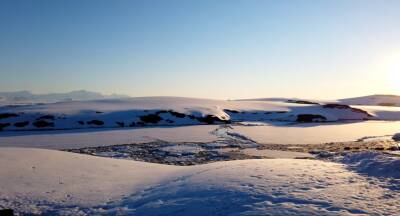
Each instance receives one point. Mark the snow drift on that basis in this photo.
(50, 182)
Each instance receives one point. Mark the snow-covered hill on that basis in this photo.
(156, 111)
(373, 100)
(38, 181)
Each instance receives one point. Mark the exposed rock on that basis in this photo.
(21, 124)
(8, 115)
(301, 102)
(336, 106)
(7, 212)
(48, 117)
(95, 122)
(211, 119)
(43, 123)
(180, 154)
(310, 118)
(177, 114)
(151, 118)
(396, 137)
(342, 106)
(4, 125)
(81, 122)
(133, 124)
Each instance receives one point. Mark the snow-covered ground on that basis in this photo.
(373, 100)
(175, 111)
(53, 182)
(39, 179)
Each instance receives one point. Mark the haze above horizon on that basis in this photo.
(207, 49)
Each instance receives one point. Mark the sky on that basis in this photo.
(205, 48)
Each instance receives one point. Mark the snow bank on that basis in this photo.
(52, 182)
(41, 176)
(374, 164)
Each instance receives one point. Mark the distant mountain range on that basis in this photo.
(26, 97)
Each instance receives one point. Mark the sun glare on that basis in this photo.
(393, 73)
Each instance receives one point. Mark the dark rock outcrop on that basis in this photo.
(48, 117)
(302, 102)
(8, 115)
(396, 137)
(4, 125)
(42, 124)
(343, 106)
(211, 119)
(177, 114)
(336, 106)
(231, 111)
(151, 118)
(21, 124)
(6, 212)
(95, 122)
(305, 118)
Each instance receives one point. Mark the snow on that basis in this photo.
(53, 182)
(382, 112)
(173, 111)
(277, 154)
(35, 179)
(46, 176)
(374, 100)
(72, 139)
(370, 100)
(374, 164)
(316, 133)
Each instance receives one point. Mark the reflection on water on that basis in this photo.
(318, 133)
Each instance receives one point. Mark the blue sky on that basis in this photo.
(212, 49)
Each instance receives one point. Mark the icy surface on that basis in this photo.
(314, 133)
(94, 137)
(267, 133)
